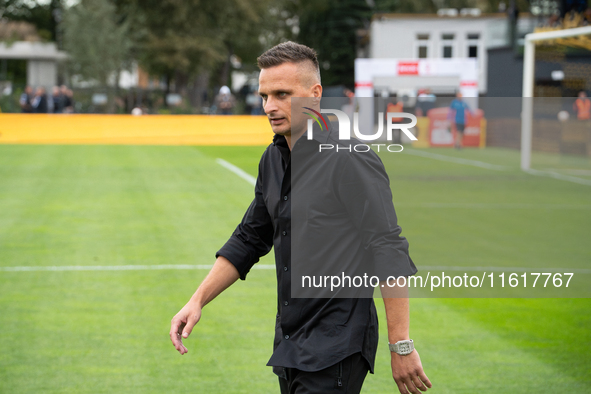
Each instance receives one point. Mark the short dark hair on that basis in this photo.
(289, 52)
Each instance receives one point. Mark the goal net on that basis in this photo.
(556, 112)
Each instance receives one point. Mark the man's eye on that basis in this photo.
(282, 94)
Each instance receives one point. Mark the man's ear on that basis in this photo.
(317, 93)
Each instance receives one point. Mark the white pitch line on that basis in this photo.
(457, 160)
(562, 177)
(120, 267)
(506, 269)
(238, 171)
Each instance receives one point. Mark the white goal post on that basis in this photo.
(529, 60)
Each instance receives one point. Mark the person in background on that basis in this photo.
(68, 97)
(26, 99)
(425, 102)
(582, 106)
(39, 102)
(395, 108)
(254, 101)
(58, 100)
(225, 101)
(457, 114)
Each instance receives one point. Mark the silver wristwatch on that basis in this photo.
(403, 348)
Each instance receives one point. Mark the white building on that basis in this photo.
(432, 36)
(42, 59)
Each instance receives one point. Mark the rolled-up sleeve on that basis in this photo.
(364, 190)
(253, 238)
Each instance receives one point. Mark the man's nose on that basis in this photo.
(270, 105)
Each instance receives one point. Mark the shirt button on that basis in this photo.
(284, 233)
(286, 337)
(284, 198)
(286, 303)
(284, 268)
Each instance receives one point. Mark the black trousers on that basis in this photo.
(345, 377)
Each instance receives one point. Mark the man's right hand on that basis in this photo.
(221, 276)
(182, 324)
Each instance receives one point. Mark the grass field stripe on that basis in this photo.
(555, 175)
(457, 160)
(120, 267)
(238, 171)
(492, 205)
(505, 269)
(264, 267)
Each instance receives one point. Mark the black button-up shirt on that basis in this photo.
(314, 333)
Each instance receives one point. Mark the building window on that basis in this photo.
(447, 45)
(422, 45)
(473, 39)
(422, 52)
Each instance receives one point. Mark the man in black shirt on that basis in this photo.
(322, 344)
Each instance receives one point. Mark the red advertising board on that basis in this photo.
(442, 131)
(408, 68)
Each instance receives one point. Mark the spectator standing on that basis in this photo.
(397, 107)
(39, 102)
(68, 99)
(582, 106)
(225, 101)
(255, 102)
(58, 100)
(425, 102)
(26, 99)
(457, 114)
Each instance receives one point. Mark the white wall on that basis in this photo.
(42, 73)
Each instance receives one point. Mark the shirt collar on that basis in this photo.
(319, 135)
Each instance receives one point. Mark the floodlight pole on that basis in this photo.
(528, 84)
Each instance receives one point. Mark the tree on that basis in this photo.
(45, 16)
(97, 45)
(330, 27)
(182, 40)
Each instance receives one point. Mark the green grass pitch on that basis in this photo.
(107, 331)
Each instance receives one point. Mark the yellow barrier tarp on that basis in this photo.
(135, 130)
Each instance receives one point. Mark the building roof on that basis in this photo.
(31, 50)
(499, 15)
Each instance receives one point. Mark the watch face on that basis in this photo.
(404, 347)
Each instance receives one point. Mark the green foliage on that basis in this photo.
(45, 16)
(187, 37)
(10, 103)
(97, 45)
(330, 27)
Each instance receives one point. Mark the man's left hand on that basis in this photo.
(408, 373)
